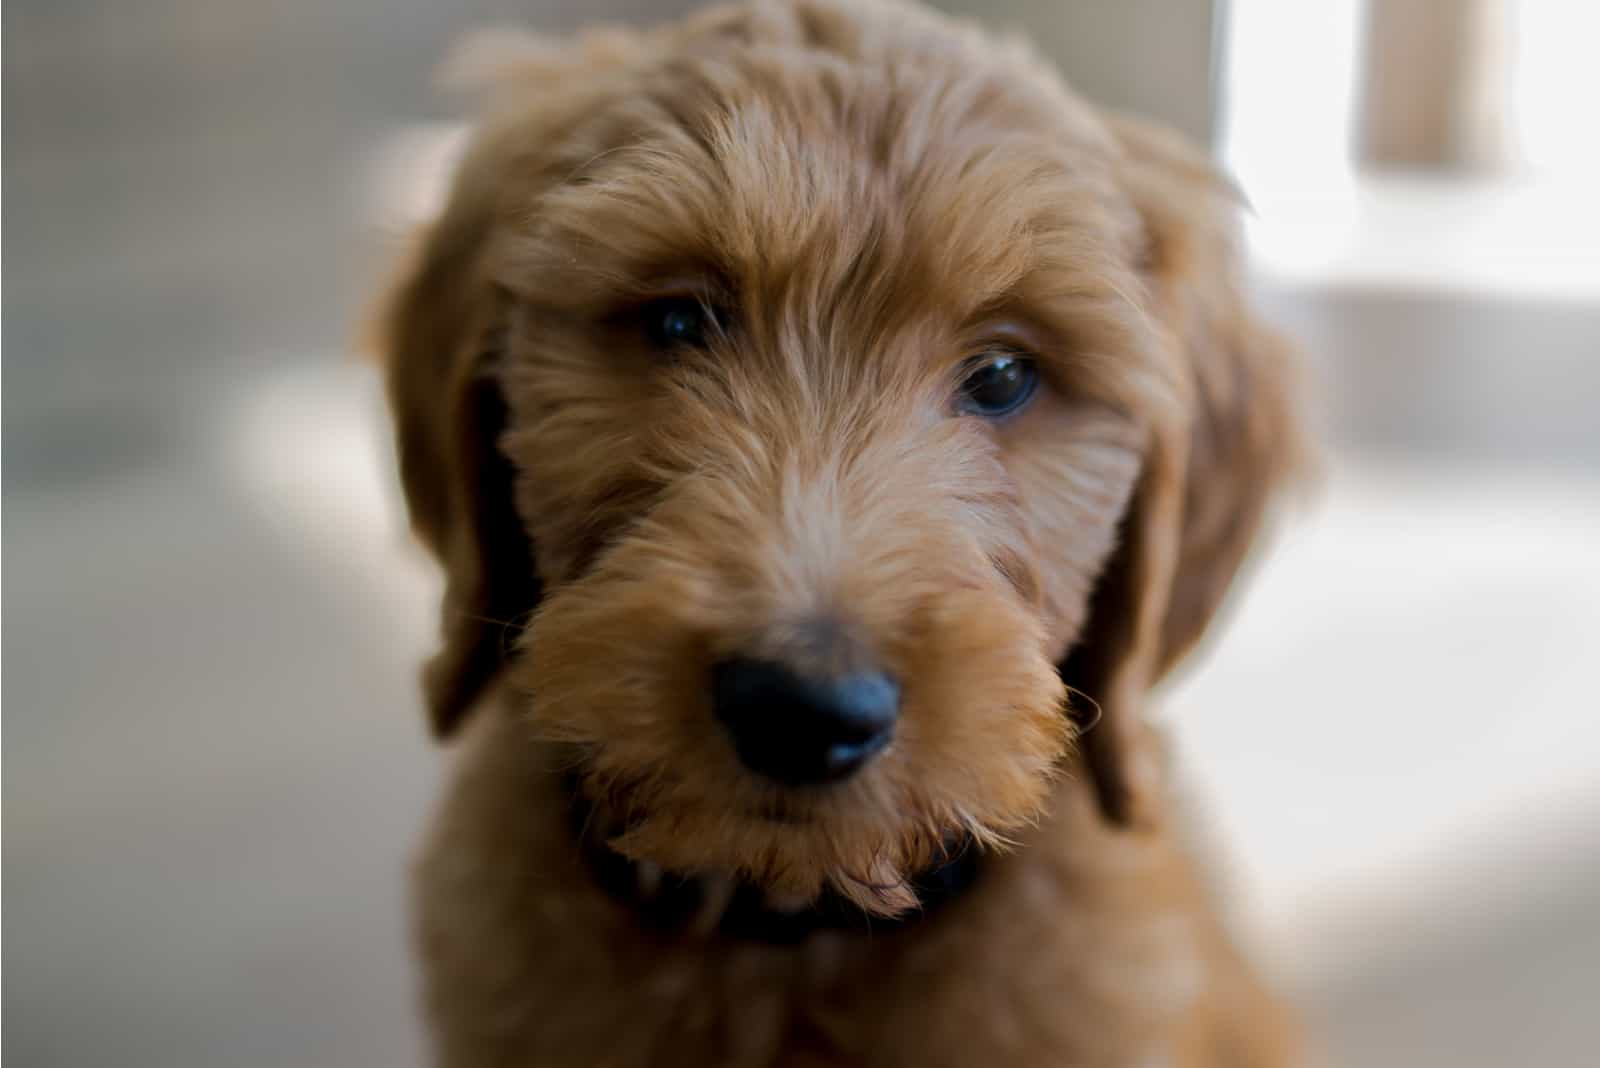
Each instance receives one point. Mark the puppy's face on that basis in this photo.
(825, 361)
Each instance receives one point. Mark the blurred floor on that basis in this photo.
(214, 761)
(212, 768)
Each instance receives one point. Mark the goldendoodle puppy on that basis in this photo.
(830, 427)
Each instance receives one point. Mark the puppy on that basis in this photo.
(830, 427)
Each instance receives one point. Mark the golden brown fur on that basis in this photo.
(873, 193)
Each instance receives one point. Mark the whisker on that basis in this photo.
(1084, 725)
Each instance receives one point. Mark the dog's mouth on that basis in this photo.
(714, 904)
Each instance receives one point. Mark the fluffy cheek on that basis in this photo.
(612, 666)
(1074, 468)
(616, 665)
(984, 727)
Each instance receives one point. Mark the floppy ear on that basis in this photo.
(438, 338)
(1207, 480)
(441, 333)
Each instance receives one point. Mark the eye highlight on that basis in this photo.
(678, 322)
(997, 383)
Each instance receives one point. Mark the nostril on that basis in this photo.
(800, 729)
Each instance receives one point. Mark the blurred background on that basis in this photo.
(214, 758)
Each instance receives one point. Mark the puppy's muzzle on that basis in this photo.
(803, 728)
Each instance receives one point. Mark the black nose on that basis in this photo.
(801, 730)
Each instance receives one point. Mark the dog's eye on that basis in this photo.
(678, 322)
(998, 383)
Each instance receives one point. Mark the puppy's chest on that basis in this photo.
(1033, 965)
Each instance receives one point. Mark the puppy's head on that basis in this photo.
(796, 397)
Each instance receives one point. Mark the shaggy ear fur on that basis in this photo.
(1206, 484)
(438, 336)
(438, 345)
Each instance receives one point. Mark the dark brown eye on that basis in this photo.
(998, 383)
(678, 322)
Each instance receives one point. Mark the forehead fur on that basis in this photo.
(834, 174)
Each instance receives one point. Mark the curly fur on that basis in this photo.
(870, 193)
